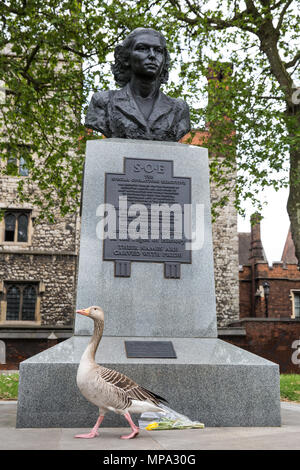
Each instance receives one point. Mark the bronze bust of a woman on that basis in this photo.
(139, 110)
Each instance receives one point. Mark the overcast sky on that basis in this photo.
(275, 224)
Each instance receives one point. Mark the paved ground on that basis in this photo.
(285, 437)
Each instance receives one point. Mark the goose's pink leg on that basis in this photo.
(93, 432)
(135, 429)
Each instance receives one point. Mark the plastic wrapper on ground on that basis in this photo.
(168, 419)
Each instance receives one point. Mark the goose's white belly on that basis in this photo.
(90, 386)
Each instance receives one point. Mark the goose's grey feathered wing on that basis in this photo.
(126, 389)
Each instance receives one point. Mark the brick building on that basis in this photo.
(269, 322)
(267, 291)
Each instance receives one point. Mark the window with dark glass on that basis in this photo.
(21, 301)
(23, 228)
(16, 226)
(10, 227)
(16, 158)
(297, 304)
(29, 301)
(13, 303)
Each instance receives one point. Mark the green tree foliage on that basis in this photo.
(260, 38)
(252, 115)
(48, 66)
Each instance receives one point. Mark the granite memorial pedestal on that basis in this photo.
(209, 380)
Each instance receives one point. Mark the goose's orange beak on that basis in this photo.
(84, 311)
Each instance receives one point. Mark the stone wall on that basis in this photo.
(59, 236)
(50, 258)
(226, 263)
(58, 275)
(225, 243)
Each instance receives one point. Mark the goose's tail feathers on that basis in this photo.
(155, 396)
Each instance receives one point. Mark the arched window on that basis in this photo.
(16, 156)
(29, 301)
(10, 226)
(23, 228)
(16, 226)
(21, 301)
(13, 302)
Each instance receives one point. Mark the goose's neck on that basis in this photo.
(90, 352)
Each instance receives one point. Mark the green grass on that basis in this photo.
(289, 387)
(9, 385)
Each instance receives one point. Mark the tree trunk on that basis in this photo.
(293, 205)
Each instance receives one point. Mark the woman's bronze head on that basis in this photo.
(121, 68)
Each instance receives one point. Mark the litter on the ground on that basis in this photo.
(169, 419)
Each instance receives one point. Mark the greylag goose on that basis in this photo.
(108, 389)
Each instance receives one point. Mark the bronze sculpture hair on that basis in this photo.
(139, 110)
(121, 71)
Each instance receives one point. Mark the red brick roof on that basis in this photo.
(288, 254)
(244, 248)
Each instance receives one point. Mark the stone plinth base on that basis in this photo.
(210, 381)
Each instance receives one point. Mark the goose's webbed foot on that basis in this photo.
(93, 432)
(90, 435)
(132, 435)
(135, 429)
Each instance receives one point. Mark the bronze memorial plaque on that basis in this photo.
(150, 349)
(151, 214)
